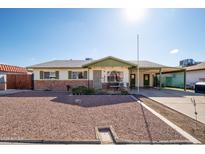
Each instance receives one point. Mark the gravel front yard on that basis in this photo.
(57, 116)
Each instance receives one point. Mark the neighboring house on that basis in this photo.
(188, 62)
(57, 74)
(195, 73)
(9, 69)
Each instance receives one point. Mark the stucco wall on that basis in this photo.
(141, 78)
(63, 73)
(106, 69)
(194, 76)
(60, 84)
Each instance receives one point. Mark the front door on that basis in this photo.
(97, 84)
(132, 80)
(146, 80)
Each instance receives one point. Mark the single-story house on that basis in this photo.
(195, 73)
(9, 69)
(57, 74)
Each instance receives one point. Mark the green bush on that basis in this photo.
(124, 92)
(82, 90)
(89, 91)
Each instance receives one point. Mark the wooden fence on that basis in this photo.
(19, 81)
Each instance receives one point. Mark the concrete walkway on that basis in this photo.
(178, 100)
(11, 91)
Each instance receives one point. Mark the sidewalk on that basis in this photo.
(11, 91)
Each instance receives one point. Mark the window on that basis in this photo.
(49, 75)
(115, 76)
(52, 75)
(46, 75)
(77, 75)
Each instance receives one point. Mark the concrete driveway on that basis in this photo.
(178, 100)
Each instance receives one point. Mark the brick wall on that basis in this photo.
(2, 86)
(60, 84)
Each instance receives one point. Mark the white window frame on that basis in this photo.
(52, 75)
(77, 77)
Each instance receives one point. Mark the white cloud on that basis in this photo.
(174, 51)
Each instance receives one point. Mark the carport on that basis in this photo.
(155, 75)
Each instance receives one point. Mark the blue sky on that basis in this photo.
(30, 36)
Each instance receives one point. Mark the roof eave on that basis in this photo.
(53, 67)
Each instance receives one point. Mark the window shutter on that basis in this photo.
(85, 74)
(41, 74)
(69, 74)
(57, 74)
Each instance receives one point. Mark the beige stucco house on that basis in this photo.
(57, 74)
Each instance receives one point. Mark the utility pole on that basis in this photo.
(138, 76)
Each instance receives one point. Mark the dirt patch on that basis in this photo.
(186, 123)
(58, 116)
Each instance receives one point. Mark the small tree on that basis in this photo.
(195, 112)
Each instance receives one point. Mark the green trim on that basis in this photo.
(110, 62)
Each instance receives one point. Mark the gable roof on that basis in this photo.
(200, 66)
(12, 69)
(111, 58)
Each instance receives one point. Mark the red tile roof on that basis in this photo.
(10, 68)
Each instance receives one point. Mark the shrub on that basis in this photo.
(89, 91)
(124, 91)
(82, 90)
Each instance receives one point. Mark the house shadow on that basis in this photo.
(93, 100)
(38, 94)
(80, 100)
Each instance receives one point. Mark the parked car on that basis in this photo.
(190, 86)
(200, 87)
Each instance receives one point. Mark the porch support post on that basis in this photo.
(160, 78)
(185, 80)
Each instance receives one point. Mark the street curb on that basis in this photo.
(50, 142)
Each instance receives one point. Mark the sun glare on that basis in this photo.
(134, 14)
